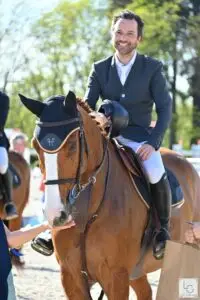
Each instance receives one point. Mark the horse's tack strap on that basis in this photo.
(126, 155)
(128, 162)
(82, 205)
(55, 124)
(84, 233)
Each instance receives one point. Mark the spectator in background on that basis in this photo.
(18, 143)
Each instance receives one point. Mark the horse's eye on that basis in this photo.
(72, 146)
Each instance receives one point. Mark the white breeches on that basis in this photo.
(3, 160)
(153, 165)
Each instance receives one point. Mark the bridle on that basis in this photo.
(78, 186)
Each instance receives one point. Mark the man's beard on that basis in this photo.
(125, 49)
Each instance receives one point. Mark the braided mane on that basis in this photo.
(84, 105)
(88, 109)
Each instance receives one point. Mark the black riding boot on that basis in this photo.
(161, 195)
(9, 206)
(43, 243)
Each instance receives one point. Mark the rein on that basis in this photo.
(85, 230)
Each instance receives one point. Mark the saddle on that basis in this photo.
(133, 164)
(15, 177)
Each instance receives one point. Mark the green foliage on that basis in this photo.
(20, 117)
(67, 40)
(185, 130)
(66, 47)
(160, 24)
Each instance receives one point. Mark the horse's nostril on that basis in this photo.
(63, 216)
(58, 221)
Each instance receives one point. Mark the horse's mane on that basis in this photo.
(88, 109)
(17, 157)
(84, 105)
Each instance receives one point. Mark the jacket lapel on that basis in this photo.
(135, 70)
(113, 74)
(113, 85)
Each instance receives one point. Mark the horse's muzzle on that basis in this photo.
(61, 220)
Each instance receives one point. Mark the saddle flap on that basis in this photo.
(127, 158)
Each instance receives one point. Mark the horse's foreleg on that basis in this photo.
(74, 286)
(116, 285)
(142, 288)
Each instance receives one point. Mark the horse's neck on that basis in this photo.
(95, 144)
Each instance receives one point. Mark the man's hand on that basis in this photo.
(101, 119)
(145, 151)
(192, 235)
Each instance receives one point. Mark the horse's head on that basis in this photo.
(62, 143)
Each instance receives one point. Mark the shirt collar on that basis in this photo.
(130, 63)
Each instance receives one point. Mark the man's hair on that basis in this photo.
(18, 136)
(129, 15)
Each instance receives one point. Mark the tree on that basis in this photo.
(12, 32)
(191, 62)
(63, 53)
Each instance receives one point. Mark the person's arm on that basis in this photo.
(19, 237)
(163, 103)
(93, 90)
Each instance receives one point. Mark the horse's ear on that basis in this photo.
(70, 104)
(35, 106)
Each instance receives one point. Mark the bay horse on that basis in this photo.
(87, 181)
(20, 194)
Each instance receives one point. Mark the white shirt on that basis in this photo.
(122, 69)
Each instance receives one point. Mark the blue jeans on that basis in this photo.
(11, 287)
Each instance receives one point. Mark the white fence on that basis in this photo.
(193, 152)
(196, 163)
(193, 155)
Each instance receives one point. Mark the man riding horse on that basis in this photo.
(136, 82)
(6, 176)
